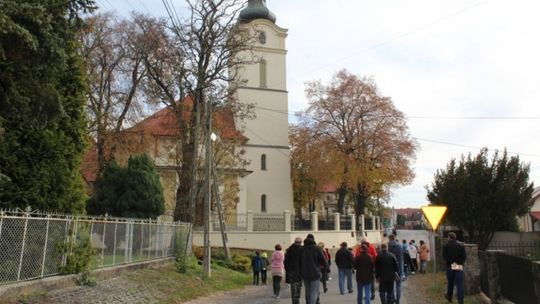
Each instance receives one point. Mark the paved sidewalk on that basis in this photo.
(263, 295)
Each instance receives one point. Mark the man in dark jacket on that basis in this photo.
(292, 261)
(454, 255)
(364, 274)
(386, 272)
(397, 250)
(256, 264)
(311, 262)
(344, 262)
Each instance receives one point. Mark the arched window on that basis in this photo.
(263, 203)
(262, 37)
(263, 162)
(262, 73)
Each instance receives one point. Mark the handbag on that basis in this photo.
(456, 267)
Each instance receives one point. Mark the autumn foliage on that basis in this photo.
(351, 135)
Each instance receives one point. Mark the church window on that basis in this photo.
(263, 162)
(262, 73)
(263, 203)
(262, 37)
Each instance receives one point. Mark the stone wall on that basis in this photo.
(492, 273)
(472, 270)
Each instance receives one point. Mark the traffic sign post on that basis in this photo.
(434, 215)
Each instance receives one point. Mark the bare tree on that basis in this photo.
(115, 70)
(193, 60)
(365, 138)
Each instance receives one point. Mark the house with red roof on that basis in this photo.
(531, 221)
(157, 135)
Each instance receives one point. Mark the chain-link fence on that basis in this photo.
(35, 244)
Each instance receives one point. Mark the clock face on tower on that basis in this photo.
(262, 37)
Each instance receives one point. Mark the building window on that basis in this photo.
(263, 162)
(263, 203)
(262, 37)
(262, 73)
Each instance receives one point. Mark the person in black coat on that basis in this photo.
(311, 263)
(293, 276)
(386, 272)
(454, 255)
(365, 267)
(344, 262)
(396, 249)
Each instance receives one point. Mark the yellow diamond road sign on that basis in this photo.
(434, 214)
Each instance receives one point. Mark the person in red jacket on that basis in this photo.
(372, 252)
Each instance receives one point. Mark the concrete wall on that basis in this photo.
(504, 236)
(267, 240)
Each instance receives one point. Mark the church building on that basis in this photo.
(264, 185)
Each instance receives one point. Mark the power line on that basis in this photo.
(477, 117)
(293, 113)
(470, 147)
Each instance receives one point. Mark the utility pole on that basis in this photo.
(207, 190)
(220, 213)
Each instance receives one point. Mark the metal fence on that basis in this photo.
(233, 222)
(516, 279)
(529, 250)
(33, 244)
(345, 222)
(269, 222)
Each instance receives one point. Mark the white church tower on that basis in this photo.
(268, 187)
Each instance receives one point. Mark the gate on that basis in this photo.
(516, 278)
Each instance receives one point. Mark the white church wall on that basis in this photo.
(267, 240)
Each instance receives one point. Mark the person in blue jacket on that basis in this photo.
(256, 264)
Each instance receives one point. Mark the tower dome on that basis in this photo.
(256, 9)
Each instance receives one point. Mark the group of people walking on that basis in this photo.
(308, 265)
(260, 264)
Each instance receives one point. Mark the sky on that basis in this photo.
(466, 73)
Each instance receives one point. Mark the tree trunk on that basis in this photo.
(342, 192)
(182, 210)
(360, 198)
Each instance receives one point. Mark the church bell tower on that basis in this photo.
(263, 84)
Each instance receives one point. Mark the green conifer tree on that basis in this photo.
(42, 97)
(134, 191)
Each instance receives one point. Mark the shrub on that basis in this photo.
(198, 252)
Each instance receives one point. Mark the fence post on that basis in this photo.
(287, 217)
(126, 242)
(141, 223)
(337, 223)
(103, 242)
(22, 246)
(114, 242)
(353, 222)
(314, 221)
(249, 221)
(362, 225)
(493, 274)
(149, 238)
(45, 246)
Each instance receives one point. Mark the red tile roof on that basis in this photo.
(89, 166)
(164, 123)
(327, 188)
(407, 211)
